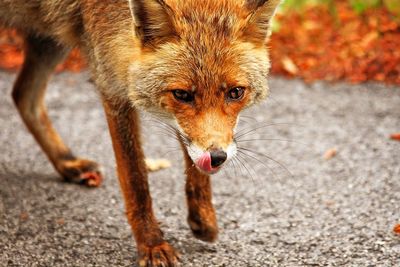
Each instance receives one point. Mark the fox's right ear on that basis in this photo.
(152, 21)
(259, 19)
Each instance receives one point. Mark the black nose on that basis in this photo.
(217, 158)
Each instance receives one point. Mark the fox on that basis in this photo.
(194, 65)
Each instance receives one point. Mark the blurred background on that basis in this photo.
(332, 40)
(352, 40)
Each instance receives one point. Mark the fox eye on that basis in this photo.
(235, 93)
(183, 96)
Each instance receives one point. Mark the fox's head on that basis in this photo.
(201, 63)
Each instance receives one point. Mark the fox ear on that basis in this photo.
(259, 19)
(152, 21)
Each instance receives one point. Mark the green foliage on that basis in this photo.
(294, 4)
(393, 6)
(359, 6)
(298, 5)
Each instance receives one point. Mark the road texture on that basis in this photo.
(302, 211)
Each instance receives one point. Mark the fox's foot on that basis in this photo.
(157, 164)
(203, 224)
(163, 255)
(81, 171)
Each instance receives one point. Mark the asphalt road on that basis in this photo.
(307, 212)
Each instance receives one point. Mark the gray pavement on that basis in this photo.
(311, 212)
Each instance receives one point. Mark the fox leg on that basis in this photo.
(201, 218)
(42, 56)
(123, 122)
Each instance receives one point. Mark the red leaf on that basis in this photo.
(395, 136)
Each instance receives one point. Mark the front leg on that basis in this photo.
(201, 218)
(123, 122)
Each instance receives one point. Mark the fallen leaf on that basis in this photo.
(330, 203)
(24, 216)
(157, 164)
(60, 221)
(395, 136)
(330, 153)
(370, 37)
(396, 228)
(289, 65)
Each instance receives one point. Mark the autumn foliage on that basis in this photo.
(318, 43)
(12, 56)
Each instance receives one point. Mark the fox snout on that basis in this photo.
(208, 137)
(210, 161)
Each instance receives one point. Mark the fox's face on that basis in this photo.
(201, 64)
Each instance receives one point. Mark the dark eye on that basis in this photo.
(235, 93)
(183, 96)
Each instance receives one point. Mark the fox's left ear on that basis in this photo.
(260, 14)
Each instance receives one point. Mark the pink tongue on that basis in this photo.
(204, 162)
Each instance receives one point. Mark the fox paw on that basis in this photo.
(81, 171)
(163, 255)
(204, 228)
(157, 164)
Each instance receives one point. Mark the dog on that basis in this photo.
(195, 65)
